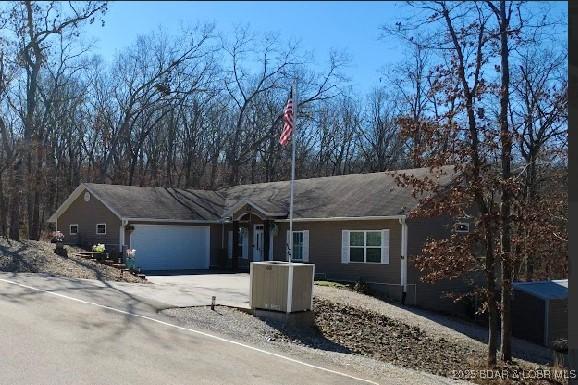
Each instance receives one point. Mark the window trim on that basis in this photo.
(305, 248)
(101, 224)
(365, 247)
(466, 226)
(70, 229)
(302, 232)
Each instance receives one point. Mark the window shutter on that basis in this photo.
(385, 246)
(305, 245)
(287, 246)
(344, 246)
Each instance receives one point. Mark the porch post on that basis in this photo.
(266, 245)
(236, 254)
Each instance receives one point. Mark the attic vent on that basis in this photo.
(86, 196)
(462, 227)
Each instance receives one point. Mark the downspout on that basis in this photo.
(123, 223)
(403, 257)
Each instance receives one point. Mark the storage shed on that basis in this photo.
(540, 311)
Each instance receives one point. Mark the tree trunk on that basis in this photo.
(505, 209)
(35, 226)
(492, 298)
(15, 197)
(3, 213)
(531, 187)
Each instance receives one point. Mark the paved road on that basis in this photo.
(49, 338)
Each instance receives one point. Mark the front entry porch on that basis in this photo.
(250, 236)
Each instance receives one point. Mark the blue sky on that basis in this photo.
(353, 27)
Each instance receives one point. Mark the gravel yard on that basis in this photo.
(437, 325)
(387, 340)
(304, 345)
(39, 257)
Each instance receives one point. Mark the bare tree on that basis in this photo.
(35, 24)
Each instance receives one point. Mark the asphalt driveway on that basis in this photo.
(192, 289)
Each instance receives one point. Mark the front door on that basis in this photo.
(258, 232)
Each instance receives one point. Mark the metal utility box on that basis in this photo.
(282, 286)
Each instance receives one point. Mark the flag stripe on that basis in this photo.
(287, 123)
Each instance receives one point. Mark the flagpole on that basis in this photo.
(292, 188)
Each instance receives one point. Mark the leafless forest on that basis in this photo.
(482, 85)
(201, 109)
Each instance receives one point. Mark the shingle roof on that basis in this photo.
(160, 202)
(354, 195)
(555, 289)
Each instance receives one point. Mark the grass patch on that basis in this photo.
(336, 285)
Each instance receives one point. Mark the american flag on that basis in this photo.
(287, 122)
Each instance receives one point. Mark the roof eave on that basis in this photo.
(350, 218)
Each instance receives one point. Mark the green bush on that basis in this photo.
(98, 248)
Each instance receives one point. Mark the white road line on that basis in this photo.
(191, 330)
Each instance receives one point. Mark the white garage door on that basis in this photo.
(161, 247)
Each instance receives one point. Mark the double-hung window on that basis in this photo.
(365, 246)
(300, 246)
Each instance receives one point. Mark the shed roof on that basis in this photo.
(555, 289)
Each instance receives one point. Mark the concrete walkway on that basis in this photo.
(192, 290)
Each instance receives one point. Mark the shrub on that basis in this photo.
(98, 248)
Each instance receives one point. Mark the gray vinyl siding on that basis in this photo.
(87, 215)
(422, 229)
(325, 252)
(434, 295)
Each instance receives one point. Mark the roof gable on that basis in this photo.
(74, 196)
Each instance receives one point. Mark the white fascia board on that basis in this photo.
(170, 220)
(335, 219)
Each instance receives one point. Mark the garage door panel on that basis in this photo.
(161, 247)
